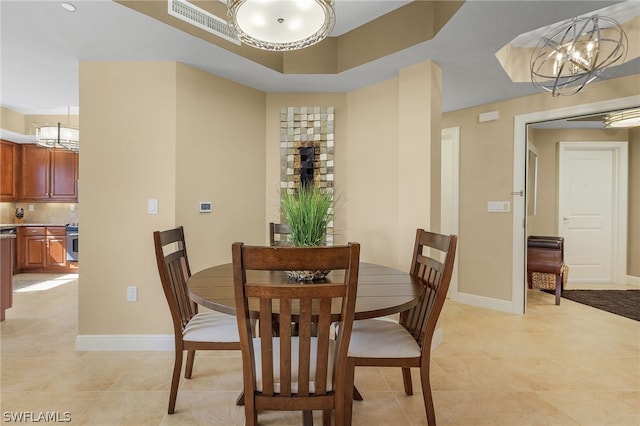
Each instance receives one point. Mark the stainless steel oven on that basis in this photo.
(72, 242)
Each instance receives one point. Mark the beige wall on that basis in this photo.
(128, 156)
(220, 157)
(26, 124)
(182, 136)
(486, 174)
(11, 121)
(167, 131)
(633, 228)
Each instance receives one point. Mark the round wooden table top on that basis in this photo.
(381, 290)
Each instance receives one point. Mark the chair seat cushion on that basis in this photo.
(294, 364)
(379, 338)
(211, 327)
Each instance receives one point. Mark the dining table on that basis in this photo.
(381, 290)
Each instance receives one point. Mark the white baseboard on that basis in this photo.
(633, 280)
(125, 342)
(485, 302)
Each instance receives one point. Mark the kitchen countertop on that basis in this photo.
(17, 225)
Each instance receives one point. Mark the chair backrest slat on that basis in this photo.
(435, 276)
(173, 267)
(278, 233)
(306, 305)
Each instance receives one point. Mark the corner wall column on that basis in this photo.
(419, 115)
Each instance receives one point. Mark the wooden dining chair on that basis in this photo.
(407, 343)
(304, 372)
(278, 233)
(192, 330)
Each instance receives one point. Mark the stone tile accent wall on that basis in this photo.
(307, 127)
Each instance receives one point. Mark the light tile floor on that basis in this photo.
(556, 365)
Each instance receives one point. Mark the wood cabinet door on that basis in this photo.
(34, 173)
(35, 248)
(64, 175)
(9, 167)
(57, 251)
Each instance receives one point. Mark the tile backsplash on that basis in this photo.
(54, 213)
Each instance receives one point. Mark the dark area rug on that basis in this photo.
(620, 302)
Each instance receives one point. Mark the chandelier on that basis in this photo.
(58, 136)
(619, 119)
(281, 25)
(576, 53)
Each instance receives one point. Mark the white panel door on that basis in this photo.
(585, 212)
(450, 188)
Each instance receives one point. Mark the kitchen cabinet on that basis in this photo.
(7, 244)
(42, 248)
(9, 170)
(48, 174)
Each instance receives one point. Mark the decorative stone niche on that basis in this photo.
(306, 150)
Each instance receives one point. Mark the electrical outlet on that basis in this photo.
(132, 293)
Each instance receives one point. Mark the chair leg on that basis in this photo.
(357, 396)
(427, 396)
(406, 378)
(240, 399)
(250, 413)
(175, 381)
(558, 288)
(188, 369)
(349, 393)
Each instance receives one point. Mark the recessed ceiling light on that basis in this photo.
(68, 7)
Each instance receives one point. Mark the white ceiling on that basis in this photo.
(42, 46)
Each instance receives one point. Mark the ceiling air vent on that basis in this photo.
(193, 15)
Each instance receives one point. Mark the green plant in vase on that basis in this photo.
(307, 211)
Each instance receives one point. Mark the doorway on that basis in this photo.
(518, 301)
(592, 209)
(449, 194)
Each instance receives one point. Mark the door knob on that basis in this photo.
(566, 219)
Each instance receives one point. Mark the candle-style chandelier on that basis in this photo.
(576, 53)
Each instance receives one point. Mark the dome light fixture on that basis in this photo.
(622, 119)
(69, 7)
(576, 53)
(281, 25)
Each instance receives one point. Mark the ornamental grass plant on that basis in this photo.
(307, 211)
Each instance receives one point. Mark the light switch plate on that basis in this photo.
(132, 293)
(499, 206)
(152, 206)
